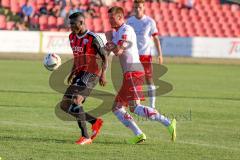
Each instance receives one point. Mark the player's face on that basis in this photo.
(77, 25)
(139, 9)
(115, 20)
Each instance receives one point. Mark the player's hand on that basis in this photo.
(109, 46)
(160, 59)
(102, 80)
(108, 35)
(70, 78)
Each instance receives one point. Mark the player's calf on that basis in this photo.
(126, 119)
(149, 113)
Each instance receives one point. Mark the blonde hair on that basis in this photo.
(116, 10)
(139, 1)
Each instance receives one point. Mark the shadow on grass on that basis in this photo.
(19, 106)
(34, 139)
(118, 143)
(180, 97)
(61, 141)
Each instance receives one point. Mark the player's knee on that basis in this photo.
(132, 108)
(77, 99)
(116, 106)
(77, 111)
(133, 105)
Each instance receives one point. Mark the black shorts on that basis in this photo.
(82, 84)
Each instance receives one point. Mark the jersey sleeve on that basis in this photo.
(99, 45)
(154, 30)
(125, 38)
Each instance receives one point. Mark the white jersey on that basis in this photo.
(129, 60)
(144, 28)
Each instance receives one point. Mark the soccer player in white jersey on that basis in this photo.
(145, 29)
(123, 43)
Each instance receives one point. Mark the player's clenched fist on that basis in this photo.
(109, 46)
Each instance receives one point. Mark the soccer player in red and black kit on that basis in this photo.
(87, 47)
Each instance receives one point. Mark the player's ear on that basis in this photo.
(120, 16)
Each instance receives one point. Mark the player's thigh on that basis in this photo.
(146, 61)
(135, 87)
(148, 73)
(86, 82)
(117, 105)
(77, 91)
(72, 95)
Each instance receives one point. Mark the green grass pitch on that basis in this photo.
(30, 130)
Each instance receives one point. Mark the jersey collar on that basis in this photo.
(120, 27)
(141, 18)
(79, 37)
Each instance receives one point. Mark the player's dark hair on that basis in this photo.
(139, 1)
(116, 10)
(76, 14)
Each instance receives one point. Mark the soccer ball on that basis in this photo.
(51, 61)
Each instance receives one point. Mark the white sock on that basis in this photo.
(152, 114)
(127, 120)
(151, 94)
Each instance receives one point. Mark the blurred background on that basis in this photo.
(182, 18)
(187, 28)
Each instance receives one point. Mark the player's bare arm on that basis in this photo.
(99, 46)
(159, 49)
(108, 46)
(103, 79)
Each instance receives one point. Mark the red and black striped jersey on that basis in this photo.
(86, 49)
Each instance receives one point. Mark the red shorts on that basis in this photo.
(131, 88)
(146, 61)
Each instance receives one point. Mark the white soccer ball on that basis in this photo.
(51, 61)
